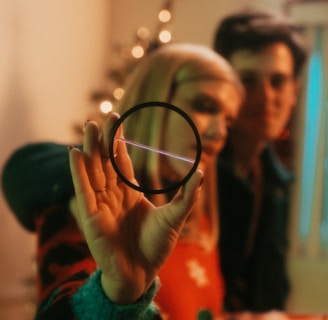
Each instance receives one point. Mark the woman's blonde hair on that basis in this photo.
(156, 79)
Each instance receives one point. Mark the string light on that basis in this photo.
(118, 93)
(164, 16)
(165, 36)
(138, 51)
(106, 106)
(143, 33)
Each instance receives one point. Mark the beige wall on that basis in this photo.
(52, 56)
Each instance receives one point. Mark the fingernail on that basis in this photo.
(86, 122)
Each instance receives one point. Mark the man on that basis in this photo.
(268, 53)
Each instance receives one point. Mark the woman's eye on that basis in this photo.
(204, 107)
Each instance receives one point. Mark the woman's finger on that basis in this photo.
(84, 192)
(122, 157)
(105, 141)
(184, 200)
(106, 133)
(93, 156)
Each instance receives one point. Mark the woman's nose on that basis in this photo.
(217, 128)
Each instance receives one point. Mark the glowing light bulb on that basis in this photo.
(106, 106)
(118, 93)
(165, 36)
(138, 51)
(164, 15)
(143, 33)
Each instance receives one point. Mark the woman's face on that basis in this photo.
(212, 105)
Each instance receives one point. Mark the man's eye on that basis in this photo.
(278, 81)
(249, 81)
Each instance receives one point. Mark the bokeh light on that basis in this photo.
(165, 36)
(118, 93)
(164, 15)
(138, 51)
(106, 106)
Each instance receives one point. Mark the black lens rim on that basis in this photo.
(172, 107)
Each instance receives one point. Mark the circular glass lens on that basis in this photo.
(161, 165)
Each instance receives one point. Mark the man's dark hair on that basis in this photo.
(253, 29)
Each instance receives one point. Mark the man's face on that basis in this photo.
(270, 90)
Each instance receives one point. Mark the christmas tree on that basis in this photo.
(130, 56)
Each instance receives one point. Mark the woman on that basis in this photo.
(203, 85)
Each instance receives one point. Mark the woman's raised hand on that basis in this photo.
(129, 238)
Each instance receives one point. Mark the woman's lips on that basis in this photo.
(210, 151)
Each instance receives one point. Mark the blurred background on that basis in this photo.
(60, 60)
